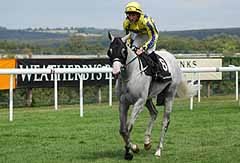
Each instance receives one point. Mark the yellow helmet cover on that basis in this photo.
(133, 7)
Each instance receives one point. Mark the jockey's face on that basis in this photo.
(133, 16)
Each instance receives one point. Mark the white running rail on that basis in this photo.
(56, 71)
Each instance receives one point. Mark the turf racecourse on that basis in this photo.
(208, 134)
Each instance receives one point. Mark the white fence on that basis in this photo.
(56, 71)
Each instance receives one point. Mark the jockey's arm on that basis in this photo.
(152, 33)
(126, 28)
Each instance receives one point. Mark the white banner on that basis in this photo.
(208, 62)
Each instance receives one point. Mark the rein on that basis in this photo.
(125, 66)
(140, 67)
(131, 61)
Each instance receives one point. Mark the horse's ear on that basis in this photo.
(124, 39)
(110, 36)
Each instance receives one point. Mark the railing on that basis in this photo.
(198, 70)
(56, 71)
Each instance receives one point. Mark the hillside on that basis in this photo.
(53, 34)
(30, 34)
(95, 41)
(7, 34)
(204, 33)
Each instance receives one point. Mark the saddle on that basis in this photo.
(156, 67)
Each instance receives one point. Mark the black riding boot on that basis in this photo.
(159, 73)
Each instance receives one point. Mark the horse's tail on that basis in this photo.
(186, 89)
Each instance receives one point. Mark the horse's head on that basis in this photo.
(117, 52)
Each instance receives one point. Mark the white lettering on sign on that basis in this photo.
(63, 77)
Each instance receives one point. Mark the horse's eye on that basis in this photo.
(123, 51)
(109, 52)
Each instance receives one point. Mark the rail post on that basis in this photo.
(55, 91)
(81, 95)
(236, 85)
(199, 88)
(110, 89)
(11, 99)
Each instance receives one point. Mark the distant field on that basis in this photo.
(208, 134)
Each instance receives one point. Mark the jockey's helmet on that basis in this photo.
(133, 7)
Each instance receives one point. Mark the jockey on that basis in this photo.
(144, 37)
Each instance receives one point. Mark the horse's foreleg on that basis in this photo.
(165, 124)
(123, 110)
(137, 108)
(153, 113)
(123, 125)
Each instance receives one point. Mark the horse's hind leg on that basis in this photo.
(165, 124)
(153, 113)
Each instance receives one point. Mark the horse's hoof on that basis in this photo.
(128, 156)
(147, 146)
(158, 153)
(135, 148)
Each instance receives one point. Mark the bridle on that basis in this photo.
(118, 51)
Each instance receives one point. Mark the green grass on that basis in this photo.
(208, 134)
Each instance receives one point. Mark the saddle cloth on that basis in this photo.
(149, 64)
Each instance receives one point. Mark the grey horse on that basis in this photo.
(135, 88)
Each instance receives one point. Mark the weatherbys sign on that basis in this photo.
(208, 62)
(46, 80)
